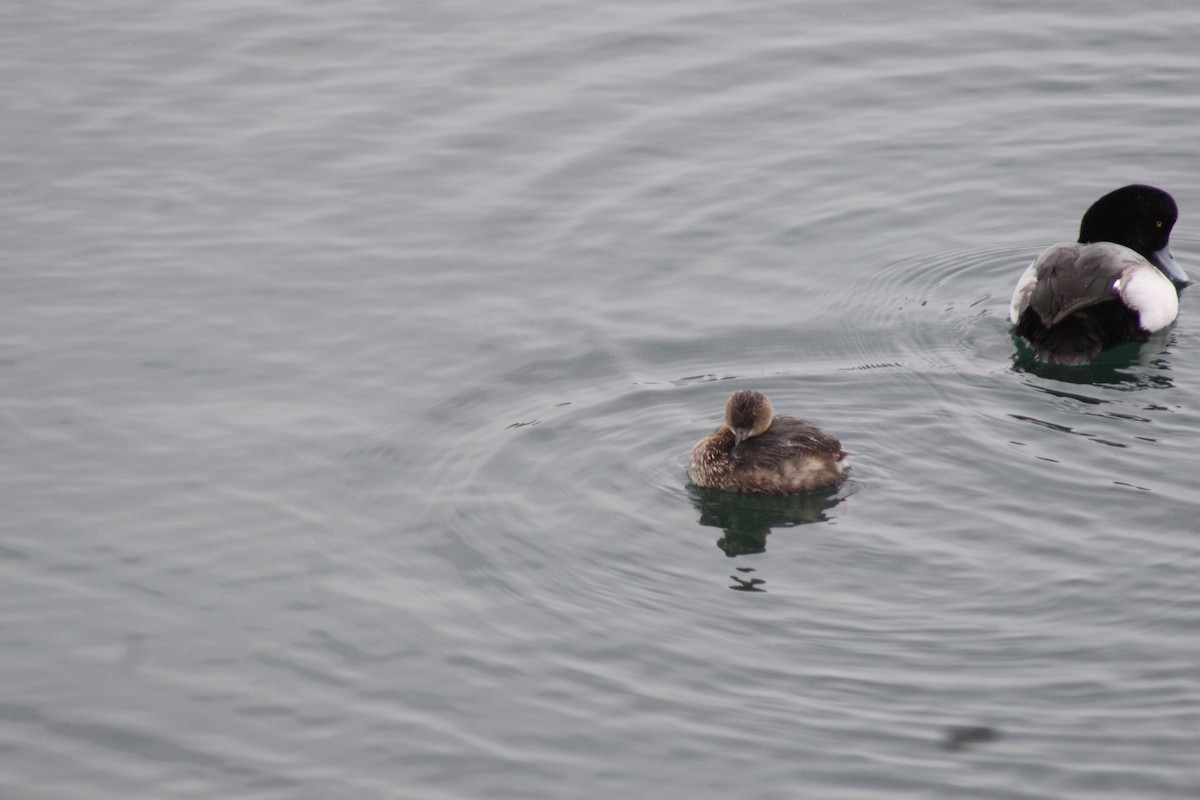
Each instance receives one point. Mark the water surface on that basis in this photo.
(352, 354)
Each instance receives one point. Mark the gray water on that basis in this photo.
(351, 354)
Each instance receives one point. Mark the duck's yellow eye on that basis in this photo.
(1158, 223)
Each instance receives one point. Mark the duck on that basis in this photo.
(758, 452)
(1119, 283)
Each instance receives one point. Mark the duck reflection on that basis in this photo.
(1129, 366)
(746, 519)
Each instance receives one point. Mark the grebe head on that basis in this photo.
(748, 413)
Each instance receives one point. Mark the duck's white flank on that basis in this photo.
(1024, 290)
(1151, 294)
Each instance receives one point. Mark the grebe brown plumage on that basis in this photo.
(756, 451)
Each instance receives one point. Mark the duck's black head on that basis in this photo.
(748, 413)
(1139, 217)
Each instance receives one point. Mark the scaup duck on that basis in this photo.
(1118, 283)
(756, 451)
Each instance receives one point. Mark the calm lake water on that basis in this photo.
(351, 354)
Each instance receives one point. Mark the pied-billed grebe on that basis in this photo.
(755, 451)
(1117, 284)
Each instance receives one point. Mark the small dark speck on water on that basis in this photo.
(958, 737)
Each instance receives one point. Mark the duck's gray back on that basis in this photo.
(1070, 277)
